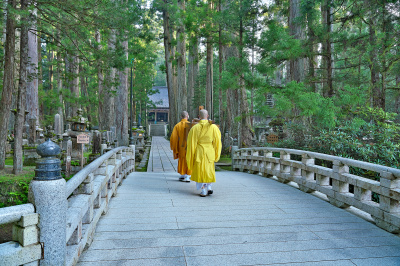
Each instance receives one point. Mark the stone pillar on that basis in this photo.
(57, 125)
(103, 145)
(32, 131)
(68, 157)
(113, 134)
(233, 150)
(47, 193)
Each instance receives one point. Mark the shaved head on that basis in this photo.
(203, 114)
(184, 114)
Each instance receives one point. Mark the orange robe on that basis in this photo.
(178, 145)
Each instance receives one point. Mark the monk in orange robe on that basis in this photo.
(178, 146)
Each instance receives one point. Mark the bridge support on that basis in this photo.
(47, 193)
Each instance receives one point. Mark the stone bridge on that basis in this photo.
(302, 214)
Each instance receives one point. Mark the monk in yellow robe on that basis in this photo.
(178, 142)
(203, 149)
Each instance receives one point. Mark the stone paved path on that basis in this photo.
(161, 158)
(249, 220)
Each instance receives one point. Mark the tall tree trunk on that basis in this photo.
(107, 114)
(8, 82)
(232, 96)
(209, 73)
(193, 71)
(84, 91)
(169, 68)
(32, 86)
(209, 78)
(121, 108)
(221, 95)
(296, 65)
(40, 76)
(181, 66)
(327, 50)
(376, 93)
(60, 77)
(100, 80)
(75, 84)
(311, 50)
(20, 116)
(245, 130)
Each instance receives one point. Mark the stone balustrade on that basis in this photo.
(68, 211)
(89, 192)
(340, 187)
(25, 247)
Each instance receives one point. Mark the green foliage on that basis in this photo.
(367, 137)
(19, 197)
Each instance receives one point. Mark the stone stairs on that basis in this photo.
(158, 130)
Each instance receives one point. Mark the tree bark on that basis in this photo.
(245, 130)
(327, 50)
(296, 65)
(106, 113)
(209, 78)
(181, 58)
(60, 87)
(169, 55)
(121, 108)
(8, 82)
(40, 76)
(100, 80)
(232, 96)
(376, 93)
(193, 71)
(75, 84)
(32, 86)
(21, 99)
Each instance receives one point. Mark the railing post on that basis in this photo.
(338, 186)
(388, 205)
(306, 176)
(254, 167)
(234, 161)
(47, 193)
(132, 162)
(284, 169)
(267, 164)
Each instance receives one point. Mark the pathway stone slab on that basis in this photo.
(249, 220)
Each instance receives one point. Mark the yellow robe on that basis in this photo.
(203, 149)
(178, 145)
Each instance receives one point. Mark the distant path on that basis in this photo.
(161, 157)
(249, 220)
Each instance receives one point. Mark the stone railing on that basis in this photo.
(89, 193)
(25, 247)
(341, 188)
(68, 211)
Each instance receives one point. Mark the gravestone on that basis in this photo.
(57, 125)
(114, 133)
(32, 131)
(29, 150)
(78, 127)
(96, 146)
(103, 146)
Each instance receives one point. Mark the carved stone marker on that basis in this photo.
(57, 125)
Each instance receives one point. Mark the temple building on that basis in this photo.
(160, 114)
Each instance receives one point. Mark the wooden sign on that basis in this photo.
(82, 138)
(272, 138)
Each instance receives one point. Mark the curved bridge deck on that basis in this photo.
(249, 220)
